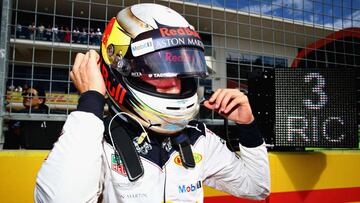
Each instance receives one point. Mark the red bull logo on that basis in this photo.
(170, 32)
(178, 58)
(118, 92)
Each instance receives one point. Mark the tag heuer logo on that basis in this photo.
(117, 165)
(197, 158)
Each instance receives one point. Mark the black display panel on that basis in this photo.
(316, 107)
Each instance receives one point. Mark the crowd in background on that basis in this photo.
(18, 88)
(59, 34)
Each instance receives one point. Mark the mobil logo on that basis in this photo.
(190, 188)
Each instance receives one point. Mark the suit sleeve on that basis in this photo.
(245, 175)
(73, 170)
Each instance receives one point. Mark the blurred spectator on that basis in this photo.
(98, 35)
(41, 30)
(48, 33)
(61, 34)
(67, 36)
(75, 35)
(91, 36)
(11, 88)
(25, 87)
(18, 89)
(83, 36)
(31, 31)
(55, 31)
(34, 101)
(18, 31)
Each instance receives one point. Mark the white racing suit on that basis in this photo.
(82, 167)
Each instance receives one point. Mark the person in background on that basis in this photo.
(19, 31)
(48, 33)
(91, 36)
(98, 35)
(67, 36)
(61, 34)
(55, 31)
(34, 101)
(41, 32)
(75, 35)
(31, 31)
(25, 87)
(83, 36)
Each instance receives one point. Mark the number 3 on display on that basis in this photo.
(317, 89)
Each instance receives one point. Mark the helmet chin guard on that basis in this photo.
(152, 41)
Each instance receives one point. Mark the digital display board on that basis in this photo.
(316, 107)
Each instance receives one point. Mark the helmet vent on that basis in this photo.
(173, 108)
(191, 105)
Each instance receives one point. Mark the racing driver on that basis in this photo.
(149, 148)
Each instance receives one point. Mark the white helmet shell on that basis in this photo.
(136, 37)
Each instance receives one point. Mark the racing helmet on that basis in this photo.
(146, 47)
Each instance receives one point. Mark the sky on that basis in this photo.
(329, 13)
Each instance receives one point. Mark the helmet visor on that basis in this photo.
(174, 62)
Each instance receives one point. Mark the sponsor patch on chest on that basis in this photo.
(190, 187)
(197, 158)
(117, 165)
